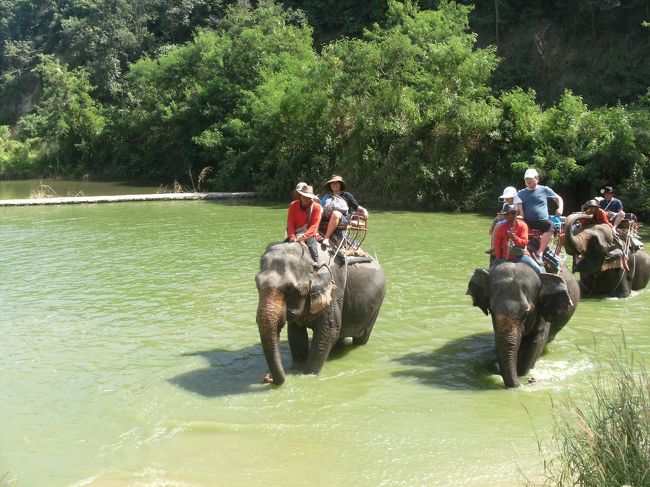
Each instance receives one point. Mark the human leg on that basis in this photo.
(331, 226)
(619, 218)
(543, 242)
(313, 248)
(526, 259)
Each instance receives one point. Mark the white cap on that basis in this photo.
(509, 192)
(531, 173)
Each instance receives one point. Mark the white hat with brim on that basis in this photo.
(303, 189)
(531, 173)
(509, 192)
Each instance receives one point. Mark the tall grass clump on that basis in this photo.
(603, 439)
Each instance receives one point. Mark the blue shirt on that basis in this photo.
(615, 205)
(535, 202)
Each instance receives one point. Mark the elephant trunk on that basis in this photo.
(508, 333)
(270, 319)
(574, 245)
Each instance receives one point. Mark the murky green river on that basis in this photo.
(130, 357)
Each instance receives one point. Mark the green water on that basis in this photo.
(60, 187)
(130, 357)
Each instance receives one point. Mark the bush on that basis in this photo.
(604, 440)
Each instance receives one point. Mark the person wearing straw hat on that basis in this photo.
(338, 204)
(303, 219)
(598, 215)
(534, 198)
(511, 240)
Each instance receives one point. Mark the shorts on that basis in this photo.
(541, 225)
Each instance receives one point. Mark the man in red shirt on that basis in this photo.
(511, 240)
(592, 207)
(303, 219)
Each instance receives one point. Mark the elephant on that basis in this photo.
(599, 259)
(528, 310)
(336, 299)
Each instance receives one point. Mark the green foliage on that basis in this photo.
(404, 110)
(604, 439)
(191, 106)
(405, 107)
(65, 123)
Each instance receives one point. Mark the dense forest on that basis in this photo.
(437, 104)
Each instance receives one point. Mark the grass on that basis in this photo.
(46, 191)
(5, 481)
(604, 439)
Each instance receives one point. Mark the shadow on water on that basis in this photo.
(228, 372)
(467, 363)
(231, 372)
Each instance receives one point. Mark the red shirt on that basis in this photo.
(502, 235)
(599, 217)
(298, 218)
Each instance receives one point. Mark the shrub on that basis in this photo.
(604, 439)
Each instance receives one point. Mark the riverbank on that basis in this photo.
(70, 200)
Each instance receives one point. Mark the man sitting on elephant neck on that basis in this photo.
(592, 208)
(511, 239)
(303, 219)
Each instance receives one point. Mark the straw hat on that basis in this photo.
(334, 179)
(303, 189)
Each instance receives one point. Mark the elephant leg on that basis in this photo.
(531, 348)
(325, 336)
(363, 339)
(298, 342)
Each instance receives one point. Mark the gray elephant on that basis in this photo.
(336, 300)
(603, 266)
(528, 310)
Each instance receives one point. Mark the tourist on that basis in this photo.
(534, 199)
(303, 219)
(511, 239)
(338, 205)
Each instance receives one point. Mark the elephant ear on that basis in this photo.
(320, 293)
(478, 288)
(554, 298)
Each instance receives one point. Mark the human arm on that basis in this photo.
(520, 234)
(560, 205)
(291, 222)
(500, 242)
(353, 205)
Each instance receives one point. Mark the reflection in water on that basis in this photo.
(130, 356)
(59, 187)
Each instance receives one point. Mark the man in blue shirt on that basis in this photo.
(612, 206)
(534, 199)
